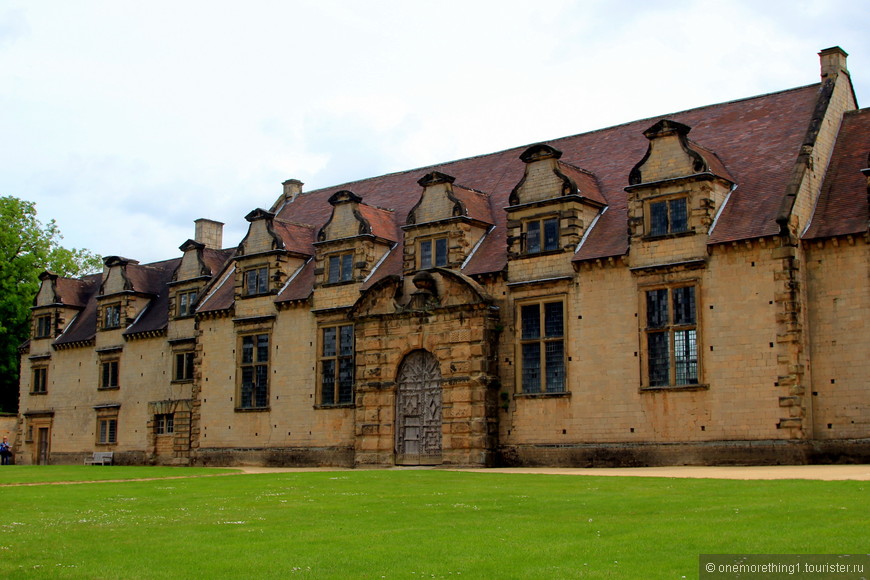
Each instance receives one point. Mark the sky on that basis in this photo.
(126, 121)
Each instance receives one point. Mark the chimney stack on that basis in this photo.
(833, 61)
(210, 233)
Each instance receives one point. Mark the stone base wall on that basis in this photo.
(277, 457)
(771, 452)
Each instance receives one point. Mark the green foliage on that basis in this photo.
(27, 248)
(416, 524)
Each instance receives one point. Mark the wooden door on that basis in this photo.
(42, 439)
(418, 410)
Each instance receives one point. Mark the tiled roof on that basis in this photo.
(84, 326)
(381, 221)
(75, 292)
(155, 315)
(215, 260)
(477, 205)
(297, 238)
(842, 207)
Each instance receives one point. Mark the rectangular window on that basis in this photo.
(336, 365)
(186, 301)
(107, 430)
(109, 377)
(40, 381)
(257, 281)
(433, 253)
(668, 217)
(112, 316)
(671, 337)
(43, 326)
(542, 235)
(542, 347)
(340, 268)
(164, 424)
(254, 370)
(183, 366)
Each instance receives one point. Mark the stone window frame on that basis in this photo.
(107, 426)
(260, 273)
(666, 202)
(43, 326)
(542, 340)
(338, 397)
(672, 326)
(185, 300)
(184, 372)
(111, 316)
(254, 364)
(39, 381)
(164, 424)
(110, 373)
(435, 258)
(339, 267)
(542, 221)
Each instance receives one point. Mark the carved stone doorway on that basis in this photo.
(418, 410)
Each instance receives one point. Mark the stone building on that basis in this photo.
(690, 288)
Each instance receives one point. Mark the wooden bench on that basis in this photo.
(100, 458)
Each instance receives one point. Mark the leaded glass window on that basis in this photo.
(336, 365)
(542, 347)
(254, 369)
(671, 337)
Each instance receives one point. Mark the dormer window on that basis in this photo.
(185, 303)
(668, 217)
(542, 235)
(112, 316)
(433, 252)
(257, 281)
(340, 268)
(43, 326)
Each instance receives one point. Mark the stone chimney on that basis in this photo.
(292, 188)
(210, 233)
(833, 61)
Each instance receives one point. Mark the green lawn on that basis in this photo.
(410, 524)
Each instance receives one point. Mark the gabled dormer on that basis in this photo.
(675, 191)
(121, 298)
(56, 303)
(445, 225)
(550, 209)
(353, 241)
(271, 251)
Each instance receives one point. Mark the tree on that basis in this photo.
(27, 248)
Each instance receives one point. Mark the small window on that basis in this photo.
(542, 235)
(39, 385)
(668, 217)
(433, 253)
(254, 370)
(257, 281)
(340, 268)
(542, 347)
(107, 430)
(186, 301)
(43, 326)
(183, 366)
(112, 316)
(109, 376)
(164, 424)
(671, 337)
(336, 365)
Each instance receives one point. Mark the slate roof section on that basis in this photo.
(215, 260)
(83, 327)
(155, 316)
(381, 221)
(477, 205)
(298, 238)
(842, 207)
(75, 292)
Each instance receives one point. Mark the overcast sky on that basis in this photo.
(125, 121)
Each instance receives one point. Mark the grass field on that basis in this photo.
(408, 524)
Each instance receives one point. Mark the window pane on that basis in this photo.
(684, 305)
(533, 237)
(441, 252)
(179, 367)
(426, 254)
(551, 234)
(531, 321)
(333, 270)
(113, 430)
(346, 267)
(262, 386)
(263, 276)
(247, 387)
(553, 324)
(346, 341)
(247, 349)
(188, 365)
(659, 359)
(678, 215)
(658, 221)
(329, 341)
(686, 357)
(345, 380)
(251, 282)
(327, 393)
(657, 308)
(532, 367)
(262, 347)
(555, 366)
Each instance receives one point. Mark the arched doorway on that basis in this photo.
(418, 410)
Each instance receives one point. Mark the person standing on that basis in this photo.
(5, 451)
